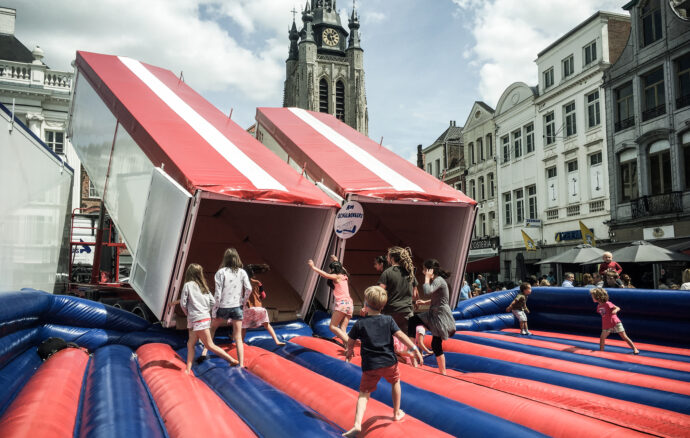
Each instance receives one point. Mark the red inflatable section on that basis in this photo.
(654, 382)
(47, 406)
(333, 400)
(535, 413)
(622, 357)
(186, 404)
(610, 341)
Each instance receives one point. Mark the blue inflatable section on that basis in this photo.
(268, 411)
(115, 402)
(444, 414)
(14, 375)
(320, 323)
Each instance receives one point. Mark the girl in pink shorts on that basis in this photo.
(196, 302)
(610, 323)
(342, 302)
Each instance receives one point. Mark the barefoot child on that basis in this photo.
(196, 302)
(376, 332)
(610, 323)
(519, 307)
(406, 355)
(255, 314)
(343, 305)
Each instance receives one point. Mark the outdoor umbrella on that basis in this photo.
(579, 254)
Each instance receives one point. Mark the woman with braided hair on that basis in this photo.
(399, 282)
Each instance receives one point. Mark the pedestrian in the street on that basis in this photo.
(627, 282)
(464, 290)
(587, 281)
(608, 263)
(686, 280)
(612, 280)
(569, 278)
(597, 280)
(610, 323)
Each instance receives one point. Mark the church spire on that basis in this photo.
(294, 36)
(307, 18)
(353, 24)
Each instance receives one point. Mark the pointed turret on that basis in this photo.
(353, 24)
(307, 33)
(294, 37)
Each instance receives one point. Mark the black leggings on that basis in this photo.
(436, 341)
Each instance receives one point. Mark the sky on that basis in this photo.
(425, 61)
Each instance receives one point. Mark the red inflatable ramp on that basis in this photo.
(188, 407)
(654, 382)
(333, 400)
(538, 415)
(47, 406)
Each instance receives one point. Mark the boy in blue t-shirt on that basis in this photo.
(376, 332)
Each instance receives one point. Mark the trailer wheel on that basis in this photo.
(127, 305)
(142, 311)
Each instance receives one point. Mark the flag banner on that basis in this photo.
(529, 243)
(587, 235)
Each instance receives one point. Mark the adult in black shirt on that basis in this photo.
(399, 282)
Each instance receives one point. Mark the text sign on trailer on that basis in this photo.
(349, 219)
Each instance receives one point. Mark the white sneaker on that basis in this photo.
(522, 332)
(527, 332)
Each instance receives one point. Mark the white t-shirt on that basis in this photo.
(232, 288)
(685, 286)
(196, 304)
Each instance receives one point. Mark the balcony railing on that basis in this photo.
(625, 123)
(653, 112)
(657, 205)
(683, 101)
(22, 73)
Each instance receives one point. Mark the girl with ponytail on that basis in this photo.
(399, 282)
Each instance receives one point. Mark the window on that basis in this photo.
(529, 138)
(92, 190)
(482, 222)
(506, 148)
(650, 16)
(489, 147)
(480, 150)
(548, 78)
(654, 102)
(438, 168)
(492, 221)
(56, 141)
(323, 95)
(686, 158)
(430, 168)
(590, 53)
(519, 206)
(660, 167)
(595, 159)
(624, 107)
(482, 193)
(571, 166)
(550, 128)
(628, 174)
(551, 172)
(471, 150)
(570, 120)
(593, 116)
(473, 190)
(532, 202)
(340, 100)
(490, 182)
(568, 65)
(507, 209)
(517, 143)
(683, 78)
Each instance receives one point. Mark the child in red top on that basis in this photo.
(609, 264)
(610, 323)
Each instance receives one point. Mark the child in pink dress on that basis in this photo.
(343, 305)
(406, 355)
(610, 323)
(255, 315)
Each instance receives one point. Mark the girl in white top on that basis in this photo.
(232, 288)
(196, 302)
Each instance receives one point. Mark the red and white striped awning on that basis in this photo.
(198, 145)
(349, 162)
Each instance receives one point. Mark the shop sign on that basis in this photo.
(662, 232)
(532, 223)
(569, 235)
(349, 219)
(488, 243)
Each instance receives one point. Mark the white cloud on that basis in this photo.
(508, 34)
(373, 17)
(170, 34)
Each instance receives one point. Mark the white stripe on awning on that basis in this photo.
(397, 181)
(238, 159)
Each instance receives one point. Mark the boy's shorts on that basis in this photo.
(234, 313)
(615, 329)
(199, 325)
(371, 378)
(520, 315)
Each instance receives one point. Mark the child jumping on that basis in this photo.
(343, 305)
(196, 302)
(519, 307)
(376, 332)
(610, 323)
(255, 315)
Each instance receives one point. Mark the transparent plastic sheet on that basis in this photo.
(34, 209)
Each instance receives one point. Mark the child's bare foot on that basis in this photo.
(636, 351)
(352, 432)
(397, 416)
(187, 371)
(280, 344)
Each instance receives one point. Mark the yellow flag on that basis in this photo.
(587, 235)
(529, 243)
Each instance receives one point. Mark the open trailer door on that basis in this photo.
(402, 204)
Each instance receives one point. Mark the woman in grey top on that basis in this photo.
(438, 319)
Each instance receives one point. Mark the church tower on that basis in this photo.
(325, 65)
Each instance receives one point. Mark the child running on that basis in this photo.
(519, 307)
(376, 332)
(610, 323)
(343, 305)
(405, 355)
(196, 302)
(255, 315)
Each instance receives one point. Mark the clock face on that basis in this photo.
(330, 37)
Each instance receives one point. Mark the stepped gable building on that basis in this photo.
(325, 68)
(444, 157)
(648, 113)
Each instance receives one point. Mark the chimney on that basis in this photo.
(7, 17)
